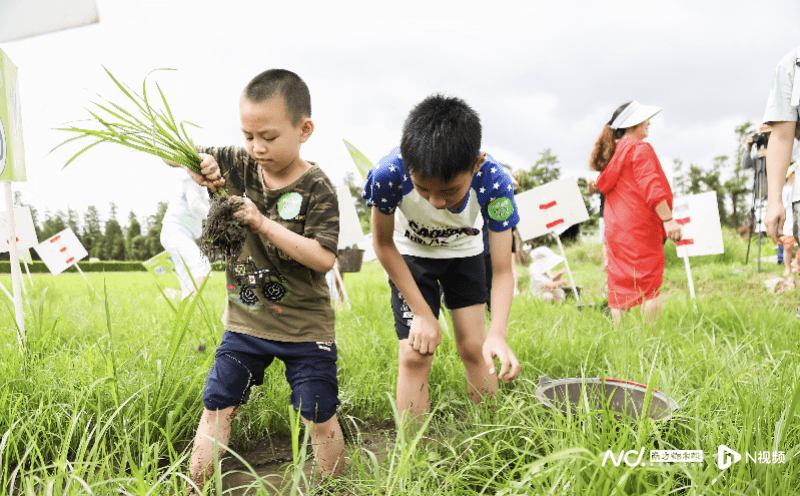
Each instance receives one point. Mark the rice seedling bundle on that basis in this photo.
(156, 132)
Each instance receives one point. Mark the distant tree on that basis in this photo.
(92, 232)
(680, 179)
(139, 249)
(74, 222)
(53, 223)
(594, 215)
(545, 170)
(133, 230)
(113, 246)
(364, 212)
(154, 229)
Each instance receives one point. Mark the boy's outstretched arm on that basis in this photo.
(496, 345)
(779, 157)
(425, 334)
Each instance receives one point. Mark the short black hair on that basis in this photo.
(441, 138)
(286, 83)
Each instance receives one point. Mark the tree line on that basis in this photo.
(136, 242)
(104, 240)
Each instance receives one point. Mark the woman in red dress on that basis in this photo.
(638, 210)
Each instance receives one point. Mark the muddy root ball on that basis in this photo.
(223, 237)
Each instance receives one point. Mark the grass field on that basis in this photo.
(107, 394)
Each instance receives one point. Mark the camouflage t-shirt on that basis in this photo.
(270, 295)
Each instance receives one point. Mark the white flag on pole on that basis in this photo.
(23, 228)
(61, 251)
(552, 207)
(698, 216)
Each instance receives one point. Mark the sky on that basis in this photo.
(541, 74)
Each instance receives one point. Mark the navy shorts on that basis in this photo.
(240, 363)
(462, 279)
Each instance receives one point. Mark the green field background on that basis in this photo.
(106, 393)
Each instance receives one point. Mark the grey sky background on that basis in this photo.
(541, 75)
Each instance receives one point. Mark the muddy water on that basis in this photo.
(272, 463)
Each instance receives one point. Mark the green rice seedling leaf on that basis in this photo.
(112, 351)
(122, 88)
(154, 132)
(81, 153)
(788, 417)
(171, 306)
(166, 106)
(179, 329)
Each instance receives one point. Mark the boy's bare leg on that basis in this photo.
(413, 394)
(469, 328)
(214, 425)
(328, 444)
(787, 260)
(652, 308)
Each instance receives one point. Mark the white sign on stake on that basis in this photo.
(23, 229)
(552, 207)
(350, 232)
(61, 251)
(698, 216)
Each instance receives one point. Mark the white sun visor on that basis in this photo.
(634, 114)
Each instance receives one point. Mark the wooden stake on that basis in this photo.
(16, 273)
(569, 272)
(688, 272)
(84, 277)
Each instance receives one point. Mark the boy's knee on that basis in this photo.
(317, 400)
(411, 359)
(470, 349)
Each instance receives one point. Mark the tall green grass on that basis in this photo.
(106, 396)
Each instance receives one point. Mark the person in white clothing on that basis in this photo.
(545, 284)
(182, 224)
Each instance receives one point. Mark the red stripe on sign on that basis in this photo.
(70, 259)
(683, 221)
(684, 242)
(554, 223)
(545, 206)
(55, 239)
(62, 250)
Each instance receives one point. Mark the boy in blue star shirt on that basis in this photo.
(426, 196)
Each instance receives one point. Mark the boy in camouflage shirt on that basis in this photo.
(278, 301)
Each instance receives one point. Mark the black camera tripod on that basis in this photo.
(759, 194)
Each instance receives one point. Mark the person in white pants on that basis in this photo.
(182, 224)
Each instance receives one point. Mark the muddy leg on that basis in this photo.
(328, 444)
(214, 425)
(412, 382)
(470, 333)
